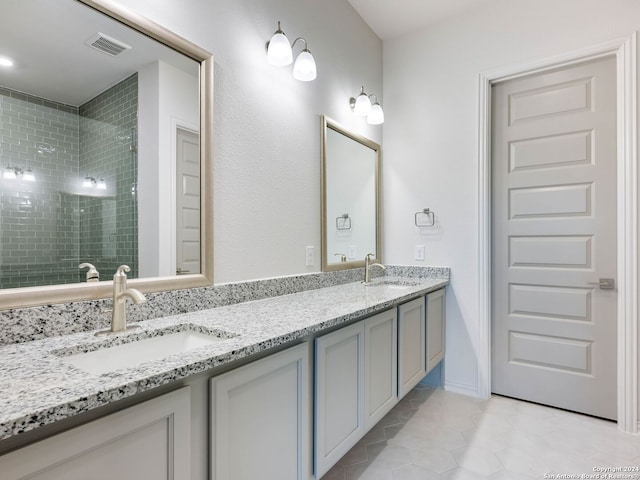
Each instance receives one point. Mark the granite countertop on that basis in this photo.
(38, 388)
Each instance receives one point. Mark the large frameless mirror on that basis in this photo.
(350, 198)
(105, 152)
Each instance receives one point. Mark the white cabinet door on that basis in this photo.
(147, 441)
(381, 366)
(356, 384)
(411, 345)
(435, 328)
(261, 419)
(339, 415)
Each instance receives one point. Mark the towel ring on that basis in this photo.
(343, 222)
(425, 218)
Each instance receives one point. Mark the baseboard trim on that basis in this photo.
(462, 388)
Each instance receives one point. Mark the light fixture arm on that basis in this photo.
(301, 39)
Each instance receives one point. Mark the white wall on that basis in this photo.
(267, 124)
(179, 107)
(431, 137)
(148, 172)
(168, 98)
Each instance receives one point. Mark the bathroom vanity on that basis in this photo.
(318, 367)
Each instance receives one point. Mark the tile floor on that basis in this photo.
(436, 435)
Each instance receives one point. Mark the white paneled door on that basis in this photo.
(554, 238)
(188, 202)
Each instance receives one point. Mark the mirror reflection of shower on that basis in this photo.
(67, 193)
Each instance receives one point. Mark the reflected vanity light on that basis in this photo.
(280, 53)
(363, 107)
(91, 182)
(6, 62)
(11, 173)
(28, 175)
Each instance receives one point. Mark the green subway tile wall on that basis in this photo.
(49, 226)
(109, 224)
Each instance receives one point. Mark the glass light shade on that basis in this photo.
(28, 176)
(305, 67)
(6, 62)
(101, 185)
(87, 182)
(9, 173)
(363, 105)
(376, 115)
(279, 50)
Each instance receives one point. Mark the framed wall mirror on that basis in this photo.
(105, 154)
(350, 198)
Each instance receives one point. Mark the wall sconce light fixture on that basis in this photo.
(91, 182)
(363, 106)
(11, 173)
(280, 53)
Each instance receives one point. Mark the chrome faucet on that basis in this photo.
(120, 294)
(92, 274)
(368, 265)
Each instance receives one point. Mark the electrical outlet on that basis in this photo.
(351, 252)
(310, 256)
(419, 253)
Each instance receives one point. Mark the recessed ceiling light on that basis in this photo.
(6, 62)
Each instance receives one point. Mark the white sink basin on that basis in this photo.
(394, 284)
(398, 287)
(109, 359)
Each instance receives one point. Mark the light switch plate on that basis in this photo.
(310, 256)
(419, 252)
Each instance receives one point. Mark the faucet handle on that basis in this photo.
(120, 276)
(371, 255)
(92, 274)
(122, 269)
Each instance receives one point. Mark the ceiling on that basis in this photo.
(46, 40)
(392, 18)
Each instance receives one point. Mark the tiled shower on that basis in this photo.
(80, 204)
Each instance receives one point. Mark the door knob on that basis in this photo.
(605, 283)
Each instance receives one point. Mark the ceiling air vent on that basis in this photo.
(106, 44)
